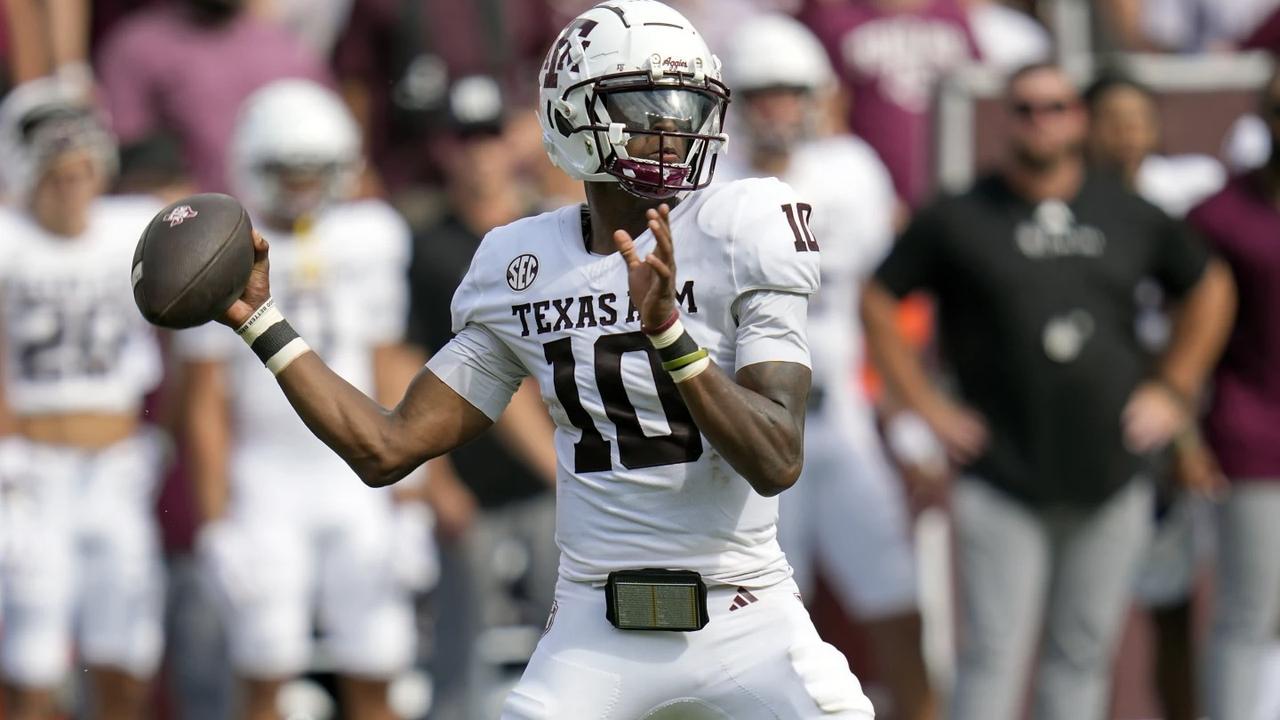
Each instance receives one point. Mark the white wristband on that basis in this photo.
(264, 317)
(690, 371)
(296, 348)
(668, 336)
(271, 338)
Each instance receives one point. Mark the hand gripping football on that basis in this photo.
(192, 261)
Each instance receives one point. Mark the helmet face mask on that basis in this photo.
(297, 189)
(777, 119)
(653, 123)
(668, 131)
(69, 182)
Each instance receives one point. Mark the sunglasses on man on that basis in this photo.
(1026, 110)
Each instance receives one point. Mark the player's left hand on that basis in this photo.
(652, 280)
(1152, 417)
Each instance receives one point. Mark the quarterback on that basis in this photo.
(664, 322)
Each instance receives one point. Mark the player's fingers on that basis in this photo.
(622, 240)
(661, 268)
(662, 234)
(664, 215)
(260, 247)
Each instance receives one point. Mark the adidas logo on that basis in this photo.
(742, 599)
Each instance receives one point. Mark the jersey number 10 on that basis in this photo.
(798, 218)
(635, 449)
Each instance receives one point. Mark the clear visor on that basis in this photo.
(303, 173)
(298, 188)
(671, 110)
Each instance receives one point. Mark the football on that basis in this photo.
(192, 261)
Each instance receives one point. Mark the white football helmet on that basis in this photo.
(292, 127)
(776, 51)
(40, 120)
(627, 69)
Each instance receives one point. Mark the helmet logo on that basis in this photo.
(178, 215)
(674, 64)
(522, 272)
(559, 54)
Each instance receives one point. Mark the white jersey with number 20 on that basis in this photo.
(73, 339)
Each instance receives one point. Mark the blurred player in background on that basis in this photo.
(81, 469)
(847, 514)
(288, 530)
(1124, 139)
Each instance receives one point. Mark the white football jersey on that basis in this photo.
(343, 287)
(74, 340)
(639, 486)
(853, 204)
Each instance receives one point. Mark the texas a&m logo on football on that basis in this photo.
(176, 216)
(522, 272)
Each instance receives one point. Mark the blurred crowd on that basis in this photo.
(1091, 403)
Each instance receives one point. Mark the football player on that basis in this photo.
(848, 513)
(82, 564)
(665, 324)
(287, 530)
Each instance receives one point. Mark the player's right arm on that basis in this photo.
(381, 445)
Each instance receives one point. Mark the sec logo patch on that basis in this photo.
(522, 272)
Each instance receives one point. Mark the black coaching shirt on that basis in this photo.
(441, 257)
(1036, 316)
